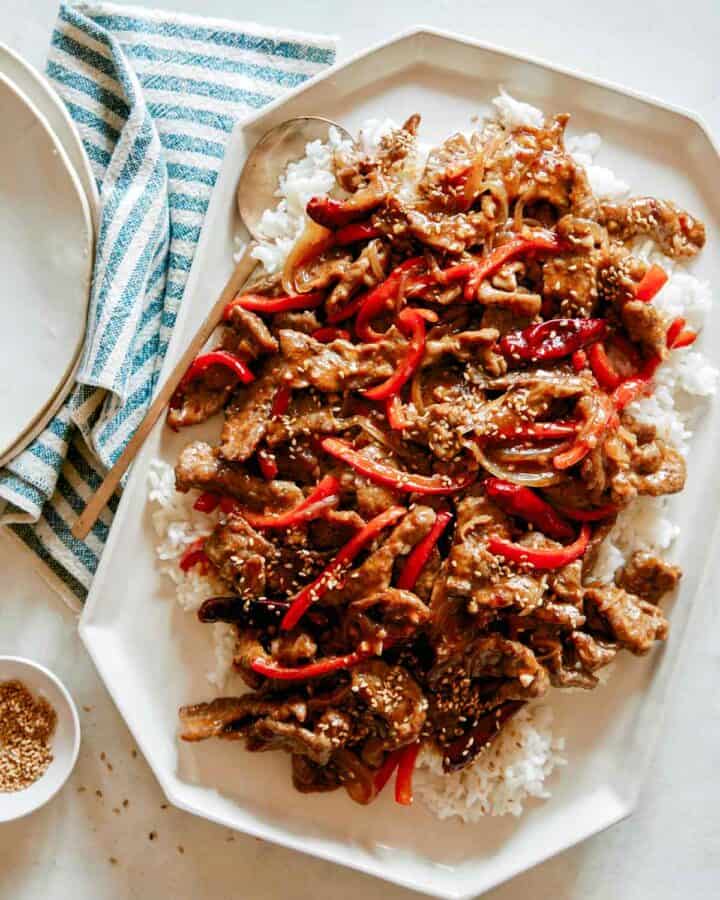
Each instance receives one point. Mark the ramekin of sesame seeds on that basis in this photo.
(39, 736)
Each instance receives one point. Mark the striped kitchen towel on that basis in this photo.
(155, 96)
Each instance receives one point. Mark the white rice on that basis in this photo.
(515, 767)
(505, 774)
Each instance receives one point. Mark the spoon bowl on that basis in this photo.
(283, 144)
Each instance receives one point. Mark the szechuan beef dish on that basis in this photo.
(427, 435)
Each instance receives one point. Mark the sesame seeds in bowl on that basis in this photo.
(39, 736)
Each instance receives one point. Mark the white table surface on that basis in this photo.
(669, 848)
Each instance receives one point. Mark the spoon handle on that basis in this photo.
(95, 505)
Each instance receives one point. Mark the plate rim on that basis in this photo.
(35, 86)
(65, 382)
(88, 628)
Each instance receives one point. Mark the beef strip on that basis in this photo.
(241, 556)
(392, 703)
(247, 335)
(375, 574)
(248, 416)
(339, 365)
(633, 623)
(199, 466)
(202, 398)
(677, 233)
(647, 576)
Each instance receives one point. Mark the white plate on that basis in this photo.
(46, 240)
(47, 102)
(153, 658)
(64, 744)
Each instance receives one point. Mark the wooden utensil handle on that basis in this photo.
(98, 501)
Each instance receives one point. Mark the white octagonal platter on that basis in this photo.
(153, 658)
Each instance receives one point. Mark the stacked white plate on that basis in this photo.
(48, 212)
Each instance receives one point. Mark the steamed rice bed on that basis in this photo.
(517, 764)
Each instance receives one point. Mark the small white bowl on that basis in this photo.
(64, 744)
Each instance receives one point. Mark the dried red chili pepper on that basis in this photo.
(553, 339)
(267, 463)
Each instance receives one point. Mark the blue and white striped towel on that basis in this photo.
(155, 96)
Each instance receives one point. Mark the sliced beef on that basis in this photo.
(339, 365)
(241, 556)
(375, 574)
(248, 416)
(677, 233)
(391, 702)
(199, 466)
(648, 576)
(247, 335)
(202, 398)
(633, 623)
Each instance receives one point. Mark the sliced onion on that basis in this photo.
(311, 243)
(527, 479)
(520, 454)
(416, 392)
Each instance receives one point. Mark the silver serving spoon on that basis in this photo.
(266, 162)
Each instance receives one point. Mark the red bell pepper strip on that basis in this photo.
(328, 487)
(281, 401)
(412, 323)
(384, 773)
(351, 234)
(684, 339)
(347, 311)
(267, 463)
(420, 554)
(331, 576)
(408, 482)
(677, 336)
(650, 283)
(332, 213)
(553, 339)
(207, 502)
(376, 300)
(579, 360)
(395, 414)
(590, 433)
(526, 504)
(631, 388)
(205, 361)
(542, 240)
(193, 555)
(588, 515)
(539, 431)
(326, 335)
(406, 767)
(538, 557)
(229, 505)
(602, 368)
(261, 304)
(311, 670)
